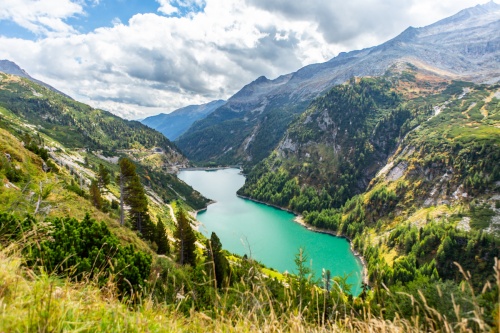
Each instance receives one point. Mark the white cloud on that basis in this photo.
(157, 63)
(170, 7)
(166, 8)
(42, 17)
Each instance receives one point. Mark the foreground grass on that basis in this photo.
(41, 302)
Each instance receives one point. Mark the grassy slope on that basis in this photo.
(31, 108)
(43, 303)
(56, 304)
(450, 163)
(21, 197)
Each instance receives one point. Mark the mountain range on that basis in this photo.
(396, 147)
(174, 124)
(248, 127)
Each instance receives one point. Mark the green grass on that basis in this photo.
(476, 135)
(40, 302)
(481, 216)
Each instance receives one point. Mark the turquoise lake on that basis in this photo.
(265, 233)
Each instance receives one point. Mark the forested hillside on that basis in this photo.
(390, 147)
(335, 149)
(464, 47)
(62, 124)
(407, 167)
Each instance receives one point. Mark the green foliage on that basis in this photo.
(134, 196)
(330, 219)
(381, 201)
(216, 262)
(79, 249)
(161, 238)
(170, 188)
(303, 274)
(95, 195)
(104, 176)
(412, 298)
(186, 247)
(198, 143)
(481, 216)
(219, 138)
(72, 186)
(434, 249)
(9, 169)
(76, 125)
(456, 88)
(338, 140)
(460, 142)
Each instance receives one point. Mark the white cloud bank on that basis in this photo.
(41, 17)
(159, 62)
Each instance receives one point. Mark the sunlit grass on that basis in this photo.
(41, 302)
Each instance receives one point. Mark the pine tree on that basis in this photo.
(303, 273)
(186, 239)
(135, 198)
(127, 170)
(161, 238)
(95, 195)
(216, 261)
(133, 194)
(104, 177)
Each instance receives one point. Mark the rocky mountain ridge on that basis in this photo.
(465, 46)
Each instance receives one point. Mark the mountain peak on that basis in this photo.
(491, 6)
(261, 79)
(10, 67)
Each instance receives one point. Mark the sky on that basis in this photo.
(137, 58)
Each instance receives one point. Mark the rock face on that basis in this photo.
(9, 67)
(465, 46)
(174, 124)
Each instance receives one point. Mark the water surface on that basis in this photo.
(265, 233)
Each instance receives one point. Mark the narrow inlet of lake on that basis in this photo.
(265, 233)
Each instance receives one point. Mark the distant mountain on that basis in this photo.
(248, 127)
(174, 124)
(9, 67)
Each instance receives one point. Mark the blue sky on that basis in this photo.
(104, 13)
(141, 57)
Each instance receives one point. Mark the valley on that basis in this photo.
(395, 148)
(267, 234)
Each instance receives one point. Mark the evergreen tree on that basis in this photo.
(104, 177)
(216, 261)
(303, 274)
(95, 195)
(161, 238)
(133, 194)
(127, 171)
(186, 239)
(135, 198)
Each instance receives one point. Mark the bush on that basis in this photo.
(80, 249)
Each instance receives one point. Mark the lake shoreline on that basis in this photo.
(300, 220)
(208, 169)
(361, 272)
